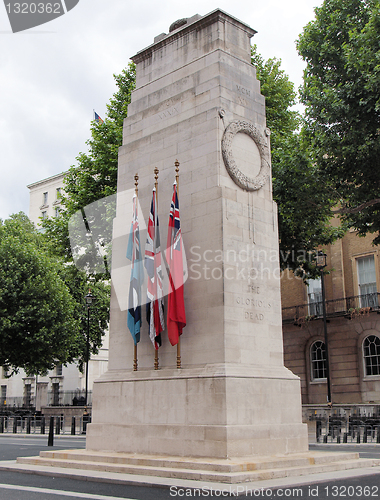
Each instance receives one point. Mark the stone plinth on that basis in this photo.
(198, 100)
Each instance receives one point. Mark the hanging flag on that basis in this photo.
(97, 117)
(154, 306)
(176, 317)
(137, 277)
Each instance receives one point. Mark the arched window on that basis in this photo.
(318, 360)
(371, 353)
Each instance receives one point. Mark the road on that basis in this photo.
(19, 486)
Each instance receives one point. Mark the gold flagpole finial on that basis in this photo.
(176, 163)
(136, 184)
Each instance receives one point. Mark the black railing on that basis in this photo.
(32, 424)
(69, 398)
(349, 307)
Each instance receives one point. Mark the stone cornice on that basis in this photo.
(198, 24)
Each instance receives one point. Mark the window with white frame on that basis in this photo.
(367, 281)
(371, 354)
(318, 360)
(45, 198)
(314, 297)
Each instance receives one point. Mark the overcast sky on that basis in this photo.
(54, 75)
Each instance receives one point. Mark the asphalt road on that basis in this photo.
(19, 486)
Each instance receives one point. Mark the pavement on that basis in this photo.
(177, 484)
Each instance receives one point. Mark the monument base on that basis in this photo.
(180, 471)
(220, 411)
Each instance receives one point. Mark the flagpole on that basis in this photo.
(156, 172)
(176, 163)
(135, 345)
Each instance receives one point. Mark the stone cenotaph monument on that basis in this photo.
(197, 100)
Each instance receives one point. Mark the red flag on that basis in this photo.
(176, 316)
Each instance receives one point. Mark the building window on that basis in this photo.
(55, 393)
(314, 296)
(45, 198)
(44, 215)
(3, 395)
(367, 281)
(5, 372)
(58, 193)
(58, 370)
(371, 353)
(57, 211)
(318, 360)
(28, 395)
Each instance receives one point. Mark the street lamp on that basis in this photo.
(89, 300)
(321, 263)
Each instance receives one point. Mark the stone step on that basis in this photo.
(231, 465)
(184, 472)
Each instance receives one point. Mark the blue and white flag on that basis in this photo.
(137, 276)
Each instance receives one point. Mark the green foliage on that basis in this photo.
(279, 95)
(95, 177)
(38, 326)
(341, 93)
(304, 202)
(43, 319)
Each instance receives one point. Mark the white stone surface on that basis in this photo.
(233, 396)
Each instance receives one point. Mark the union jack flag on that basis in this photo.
(176, 317)
(137, 277)
(155, 301)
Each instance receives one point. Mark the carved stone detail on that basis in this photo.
(245, 182)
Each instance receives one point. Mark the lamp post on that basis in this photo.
(321, 263)
(89, 299)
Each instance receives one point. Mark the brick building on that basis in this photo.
(353, 325)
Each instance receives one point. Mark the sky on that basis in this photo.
(53, 76)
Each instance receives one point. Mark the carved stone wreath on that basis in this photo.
(242, 180)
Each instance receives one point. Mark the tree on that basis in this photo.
(303, 225)
(95, 176)
(341, 93)
(42, 314)
(304, 205)
(38, 327)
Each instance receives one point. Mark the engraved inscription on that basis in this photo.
(252, 316)
(254, 303)
(243, 90)
(168, 112)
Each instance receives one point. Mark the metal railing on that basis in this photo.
(349, 307)
(346, 423)
(40, 425)
(69, 398)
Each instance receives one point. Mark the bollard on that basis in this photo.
(318, 429)
(358, 436)
(28, 425)
(73, 426)
(2, 425)
(325, 438)
(345, 435)
(338, 439)
(365, 435)
(14, 425)
(42, 428)
(378, 434)
(51, 432)
(58, 425)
